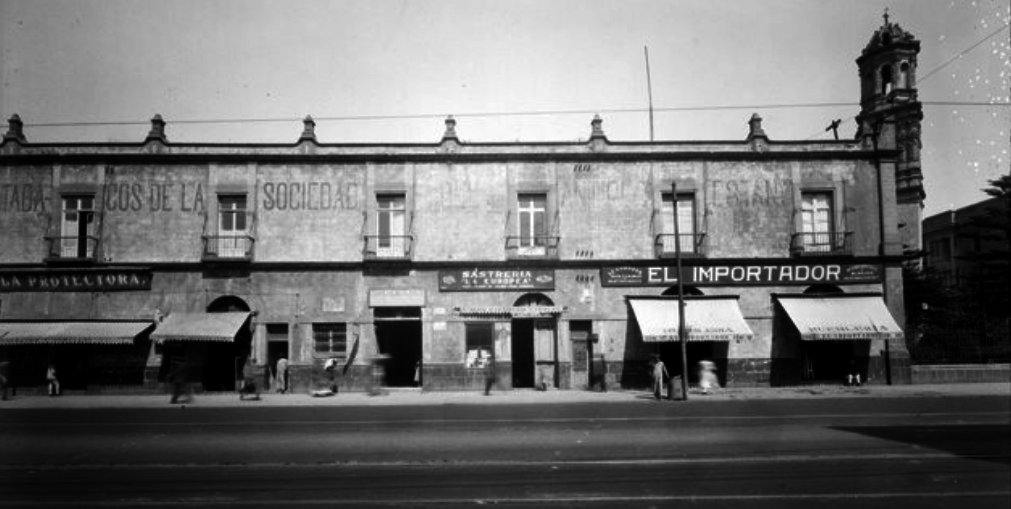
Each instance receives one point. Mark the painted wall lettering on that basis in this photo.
(79, 280)
(22, 198)
(153, 196)
(312, 195)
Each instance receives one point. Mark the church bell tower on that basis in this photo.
(891, 112)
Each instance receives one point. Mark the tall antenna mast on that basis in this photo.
(649, 92)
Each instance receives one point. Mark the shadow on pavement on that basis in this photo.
(991, 442)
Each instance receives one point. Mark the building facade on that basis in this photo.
(429, 265)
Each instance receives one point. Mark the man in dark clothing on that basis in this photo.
(489, 374)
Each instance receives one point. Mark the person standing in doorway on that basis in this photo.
(659, 376)
(489, 374)
(281, 373)
(52, 383)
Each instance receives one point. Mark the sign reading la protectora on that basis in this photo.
(742, 274)
(79, 280)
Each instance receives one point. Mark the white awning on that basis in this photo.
(72, 332)
(841, 317)
(200, 326)
(705, 319)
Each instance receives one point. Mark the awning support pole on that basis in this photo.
(682, 336)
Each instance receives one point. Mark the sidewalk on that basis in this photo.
(519, 396)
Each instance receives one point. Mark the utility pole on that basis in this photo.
(682, 336)
(649, 92)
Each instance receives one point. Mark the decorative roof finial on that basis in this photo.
(885, 15)
(596, 129)
(15, 129)
(755, 128)
(308, 130)
(157, 131)
(450, 133)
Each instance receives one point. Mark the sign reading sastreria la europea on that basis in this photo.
(495, 279)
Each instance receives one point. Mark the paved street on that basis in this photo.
(923, 451)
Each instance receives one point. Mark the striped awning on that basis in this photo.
(841, 317)
(95, 333)
(200, 327)
(705, 319)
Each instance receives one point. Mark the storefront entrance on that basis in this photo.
(713, 351)
(222, 361)
(829, 361)
(398, 337)
(534, 343)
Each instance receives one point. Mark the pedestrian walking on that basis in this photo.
(249, 380)
(281, 374)
(52, 382)
(659, 376)
(179, 378)
(707, 376)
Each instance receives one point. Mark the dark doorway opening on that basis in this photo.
(277, 348)
(398, 337)
(221, 362)
(523, 353)
(831, 361)
(713, 351)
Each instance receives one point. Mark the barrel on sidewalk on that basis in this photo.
(674, 384)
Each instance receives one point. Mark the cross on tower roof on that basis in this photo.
(885, 15)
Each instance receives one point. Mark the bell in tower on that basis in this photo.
(890, 117)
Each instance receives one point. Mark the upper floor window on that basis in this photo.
(939, 252)
(391, 225)
(77, 227)
(685, 222)
(232, 226)
(816, 221)
(330, 339)
(533, 230)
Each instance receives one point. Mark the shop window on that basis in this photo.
(391, 226)
(330, 339)
(685, 224)
(816, 222)
(480, 345)
(533, 231)
(77, 228)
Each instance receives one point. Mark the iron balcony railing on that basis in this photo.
(71, 247)
(535, 246)
(235, 247)
(692, 245)
(388, 247)
(821, 243)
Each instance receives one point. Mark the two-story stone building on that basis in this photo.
(551, 261)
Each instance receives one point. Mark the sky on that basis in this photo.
(123, 61)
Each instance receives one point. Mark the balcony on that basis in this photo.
(388, 247)
(539, 246)
(229, 248)
(821, 244)
(692, 245)
(70, 249)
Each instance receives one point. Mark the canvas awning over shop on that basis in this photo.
(705, 319)
(200, 327)
(96, 333)
(839, 317)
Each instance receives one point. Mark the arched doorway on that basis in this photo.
(534, 343)
(223, 361)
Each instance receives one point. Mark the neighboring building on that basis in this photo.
(553, 261)
(957, 245)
